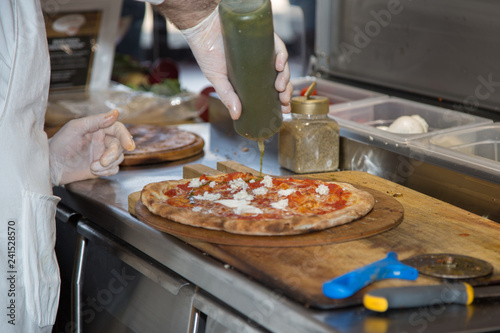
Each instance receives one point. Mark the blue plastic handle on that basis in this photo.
(348, 284)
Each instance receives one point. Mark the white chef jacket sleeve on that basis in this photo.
(7, 25)
(29, 206)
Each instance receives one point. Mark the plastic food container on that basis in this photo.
(340, 95)
(481, 142)
(363, 120)
(477, 148)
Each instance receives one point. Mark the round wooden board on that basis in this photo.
(386, 214)
(163, 155)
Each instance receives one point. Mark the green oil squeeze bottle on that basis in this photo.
(248, 34)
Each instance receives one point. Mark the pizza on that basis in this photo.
(156, 144)
(153, 138)
(243, 203)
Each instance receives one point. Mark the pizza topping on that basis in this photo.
(282, 204)
(286, 192)
(237, 184)
(171, 193)
(267, 181)
(243, 195)
(259, 191)
(195, 183)
(241, 206)
(322, 189)
(247, 209)
(248, 197)
(231, 203)
(208, 196)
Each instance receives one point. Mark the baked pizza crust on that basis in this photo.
(360, 203)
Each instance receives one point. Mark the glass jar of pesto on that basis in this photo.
(248, 35)
(309, 139)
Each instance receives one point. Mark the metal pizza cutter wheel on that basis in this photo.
(449, 266)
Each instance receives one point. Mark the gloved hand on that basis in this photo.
(205, 40)
(88, 147)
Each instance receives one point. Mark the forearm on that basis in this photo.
(186, 14)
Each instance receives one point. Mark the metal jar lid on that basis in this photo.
(311, 105)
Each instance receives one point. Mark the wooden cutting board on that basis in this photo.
(429, 226)
(156, 143)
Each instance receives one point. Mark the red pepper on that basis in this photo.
(303, 92)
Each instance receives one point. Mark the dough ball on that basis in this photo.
(409, 125)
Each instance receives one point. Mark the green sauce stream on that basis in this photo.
(261, 148)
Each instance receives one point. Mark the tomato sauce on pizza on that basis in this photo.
(244, 196)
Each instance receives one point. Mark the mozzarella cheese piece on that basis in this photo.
(322, 189)
(267, 181)
(208, 196)
(260, 190)
(240, 206)
(195, 183)
(282, 204)
(247, 209)
(236, 184)
(287, 192)
(231, 203)
(243, 195)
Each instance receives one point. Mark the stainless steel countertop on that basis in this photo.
(104, 201)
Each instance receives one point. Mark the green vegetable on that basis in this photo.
(133, 74)
(168, 87)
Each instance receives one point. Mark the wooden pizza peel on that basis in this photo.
(386, 214)
(299, 271)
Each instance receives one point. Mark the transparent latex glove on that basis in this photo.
(88, 147)
(205, 40)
